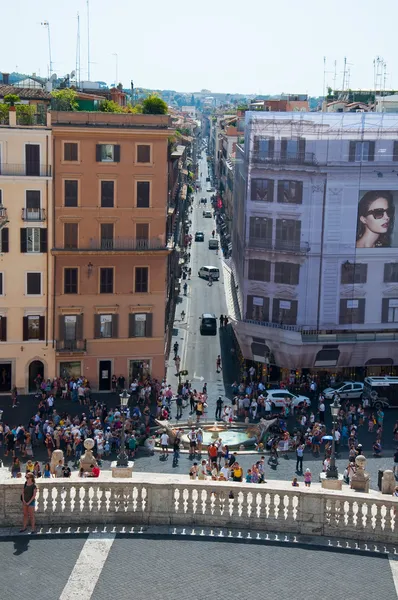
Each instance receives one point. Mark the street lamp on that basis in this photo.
(123, 459)
(331, 472)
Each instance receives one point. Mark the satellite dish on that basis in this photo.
(72, 75)
(53, 77)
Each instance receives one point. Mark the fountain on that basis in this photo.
(215, 429)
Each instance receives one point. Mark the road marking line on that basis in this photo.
(394, 572)
(88, 567)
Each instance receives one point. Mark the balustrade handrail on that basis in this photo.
(279, 245)
(285, 158)
(161, 499)
(25, 170)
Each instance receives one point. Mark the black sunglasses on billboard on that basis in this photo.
(378, 213)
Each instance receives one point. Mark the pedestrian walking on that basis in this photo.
(299, 458)
(218, 364)
(28, 498)
(164, 442)
(219, 405)
(307, 478)
(321, 411)
(221, 320)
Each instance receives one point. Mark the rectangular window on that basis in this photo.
(293, 150)
(354, 273)
(71, 276)
(3, 329)
(352, 311)
(142, 233)
(33, 284)
(33, 239)
(257, 308)
(69, 327)
(288, 234)
(71, 151)
(288, 273)
(361, 151)
(262, 190)
(290, 192)
(108, 153)
(260, 232)
(71, 235)
(259, 270)
(389, 310)
(107, 194)
(105, 324)
(140, 325)
(32, 159)
(143, 192)
(4, 238)
(32, 205)
(107, 234)
(143, 153)
(106, 281)
(264, 148)
(141, 280)
(391, 273)
(1, 284)
(33, 328)
(71, 192)
(284, 312)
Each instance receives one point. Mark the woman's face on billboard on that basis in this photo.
(377, 218)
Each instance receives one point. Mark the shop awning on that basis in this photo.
(379, 362)
(327, 357)
(260, 352)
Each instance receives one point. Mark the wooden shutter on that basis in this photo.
(79, 327)
(281, 187)
(61, 327)
(361, 310)
(5, 239)
(25, 329)
(41, 328)
(283, 148)
(256, 145)
(131, 325)
(3, 332)
(275, 310)
(23, 240)
(271, 144)
(249, 307)
(116, 153)
(43, 240)
(351, 156)
(395, 152)
(266, 309)
(371, 151)
(115, 326)
(98, 152)
(384, 310)
(97, 326)
(148, 325)
(343, 312)
(292, 318)
(301, 149)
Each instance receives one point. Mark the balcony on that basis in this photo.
(119, 245)
(29, 170)
(283, 158)
(71, 346)
(33, 214)
(255, 243)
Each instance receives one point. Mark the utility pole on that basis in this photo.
(78, 52)
(117, 58)
(344, 74)
(46, 24)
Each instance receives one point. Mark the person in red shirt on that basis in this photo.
(95, 471)
(212, 452)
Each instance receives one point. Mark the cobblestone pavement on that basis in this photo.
(165, 567)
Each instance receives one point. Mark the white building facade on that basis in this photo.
(315, 262)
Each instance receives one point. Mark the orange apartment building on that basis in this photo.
(110, 248)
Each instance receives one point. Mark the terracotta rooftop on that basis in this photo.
(24, 93)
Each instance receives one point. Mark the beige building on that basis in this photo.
(26, 347)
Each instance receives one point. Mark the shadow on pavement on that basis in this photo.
(229, 359)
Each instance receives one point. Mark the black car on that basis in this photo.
(199, 236)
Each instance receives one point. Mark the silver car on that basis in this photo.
(345, 389)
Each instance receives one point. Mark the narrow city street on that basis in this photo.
(199, 352)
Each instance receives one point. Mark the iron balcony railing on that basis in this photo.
(32, 120)
(27, 170)
(33, 214)
(284, 158)
(69, 346)
(279, 245)
(119, 244)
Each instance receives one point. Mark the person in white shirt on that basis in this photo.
(164, 442)
(225, 471)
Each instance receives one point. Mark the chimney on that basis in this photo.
(6, 78)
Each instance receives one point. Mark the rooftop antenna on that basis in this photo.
(78, 52)
(117, 60)
(88, 40)
(46, 24)
(335, 75)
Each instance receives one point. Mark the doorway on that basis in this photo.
(139, 369)
(104, 377)
(5, 377)
(36, 368)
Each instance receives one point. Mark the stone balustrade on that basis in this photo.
(157, 499)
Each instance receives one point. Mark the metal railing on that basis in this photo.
(284, 158)
(126, 244)
(32, 120)
(273, 325)
(279, 245)
(33, 214)
(71, 345)
(310, 338)
(27, 170)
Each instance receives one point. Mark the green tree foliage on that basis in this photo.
(153, 105)
(64, 100)
(25, 114)
(11, 99)
(109, 106)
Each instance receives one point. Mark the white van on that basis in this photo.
(209, 270)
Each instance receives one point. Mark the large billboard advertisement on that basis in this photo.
(376, 219)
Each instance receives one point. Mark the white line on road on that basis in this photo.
(88, 567)
(394, 572)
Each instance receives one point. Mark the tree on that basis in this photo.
(109, 106)
(11, 99)
(64, 100)
(153, 105)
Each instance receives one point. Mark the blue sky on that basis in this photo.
(223, 46)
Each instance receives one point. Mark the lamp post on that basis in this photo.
(123, 459)
(331, 472)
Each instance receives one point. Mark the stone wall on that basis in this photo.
(155, 499)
